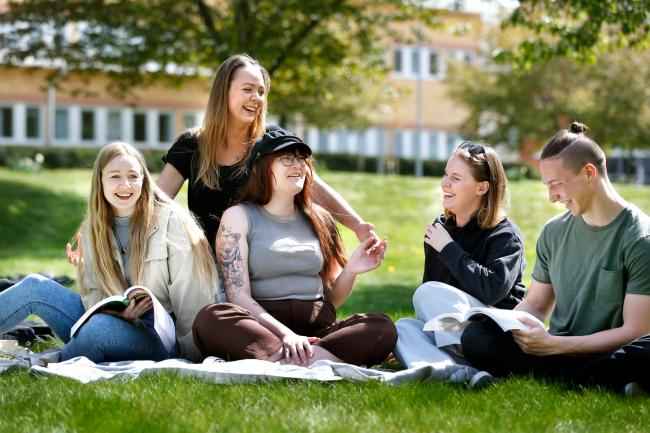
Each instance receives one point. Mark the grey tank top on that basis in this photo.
(284, 256)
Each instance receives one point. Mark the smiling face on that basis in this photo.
(565, 186)
(289, 171)
(122, 184)
(246, 95)
(462, 194)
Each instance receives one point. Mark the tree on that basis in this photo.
(326, 57)
(578, 29)
(507, 105)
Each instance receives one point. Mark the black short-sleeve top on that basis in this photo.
(207, 204)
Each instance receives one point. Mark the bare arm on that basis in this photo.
(539, 301)
(362, 260)
(327, 197)
(170, 180)
(537, 341)
(232, 263)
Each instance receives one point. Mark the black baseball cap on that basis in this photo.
(274, 140)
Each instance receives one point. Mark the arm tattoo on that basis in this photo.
(229, 261)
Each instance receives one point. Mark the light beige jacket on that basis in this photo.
(168, 274)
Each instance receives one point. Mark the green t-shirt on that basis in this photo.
(591, 269)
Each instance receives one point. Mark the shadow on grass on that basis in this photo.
(37, 222)
(391, 299)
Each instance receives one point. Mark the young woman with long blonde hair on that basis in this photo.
(133, 234)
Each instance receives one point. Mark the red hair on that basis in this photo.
(259, 190)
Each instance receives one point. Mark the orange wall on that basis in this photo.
(30, 85)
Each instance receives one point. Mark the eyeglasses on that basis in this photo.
(288, 159)
(473, 149)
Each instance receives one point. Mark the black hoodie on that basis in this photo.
(487, 264)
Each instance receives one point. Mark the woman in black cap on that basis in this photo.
(283, 267)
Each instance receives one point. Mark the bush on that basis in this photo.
(66, 157)
(84, 157)
(402, 166)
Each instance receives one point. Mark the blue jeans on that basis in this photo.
(102, 338)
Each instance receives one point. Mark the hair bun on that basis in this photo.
(578, 128)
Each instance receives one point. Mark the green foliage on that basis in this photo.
(579, 29)
(324, 56)
(507, 105)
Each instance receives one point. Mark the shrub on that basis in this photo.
(66, 157)
(84, 157)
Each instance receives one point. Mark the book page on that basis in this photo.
(449, 322)
(116, 303)
(506, 319)
(448, 327)
(163, 322)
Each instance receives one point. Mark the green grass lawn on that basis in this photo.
(41, 211)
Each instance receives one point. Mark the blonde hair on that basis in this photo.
(98, 223)
(487, 167)
(212, 135)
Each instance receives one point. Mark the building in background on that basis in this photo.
(422, 125)
(79, 114)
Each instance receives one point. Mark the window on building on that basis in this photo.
(6, 122)
(433, 145)
(361, 143)
(139, 127)
(189, 120)
(398, 60)
(87, 125)
(164, 127)
(323, 142)
(342, 141)
(61, 124)
(415, 61)
(434, 67)
(33, 122)
(468, 58)
(114, 126)
(398, 144)
(452, 139)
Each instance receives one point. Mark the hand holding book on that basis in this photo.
(139, 303)
(134, 304)
(536, 340)
(449, 326)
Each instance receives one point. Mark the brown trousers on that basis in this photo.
(231, 332)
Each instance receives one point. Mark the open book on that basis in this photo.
(163, 322)
(449, 326)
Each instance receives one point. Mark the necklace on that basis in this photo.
(119, 244)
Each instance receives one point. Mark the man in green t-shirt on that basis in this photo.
(592, 272)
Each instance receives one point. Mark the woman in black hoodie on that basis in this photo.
(474, 255)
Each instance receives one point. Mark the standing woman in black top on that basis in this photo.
(211, 157)
(474, 255)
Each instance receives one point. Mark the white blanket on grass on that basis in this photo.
(217, 371)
